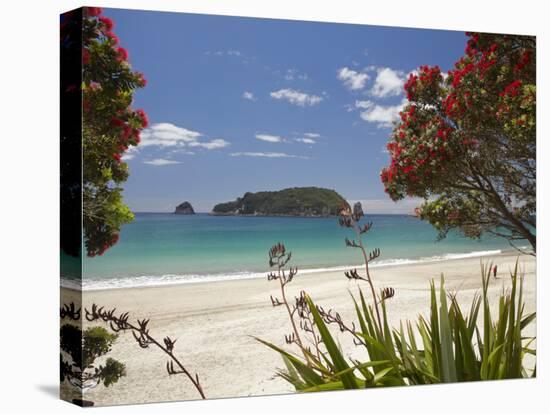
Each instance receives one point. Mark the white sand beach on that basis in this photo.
(214, 323)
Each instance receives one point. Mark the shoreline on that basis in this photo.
(167, 280)
(215, 324)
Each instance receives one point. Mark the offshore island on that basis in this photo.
(289, 202)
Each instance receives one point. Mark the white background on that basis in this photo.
(29, 234)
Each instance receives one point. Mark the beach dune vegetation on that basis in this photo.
(80, 350)
(447, 346)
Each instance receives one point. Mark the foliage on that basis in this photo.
(84, 348)
(140, 332)
(110, 127)
(279, 258)
(298, 201)
(453, 346)
(467, 143)
(449, 346)
(70, 131)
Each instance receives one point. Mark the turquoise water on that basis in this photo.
(159, 248)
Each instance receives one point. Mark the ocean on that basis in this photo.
(160, 248)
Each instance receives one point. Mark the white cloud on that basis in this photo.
(167, 135)
(229, 52)
(296, 97)
(232, 54)
(159, 162)
(388, 82)
(382, 115)
(363, 104)
(265, 155)
(130, 153)
(213, 144)
(293, 74)
(352, 79)
(181, 151)
(249, 95)
(269, 138)
(306, 140)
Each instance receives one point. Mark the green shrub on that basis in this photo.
(449, 346)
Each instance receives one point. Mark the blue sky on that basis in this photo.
(242, 104)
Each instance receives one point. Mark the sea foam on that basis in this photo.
(89, 284)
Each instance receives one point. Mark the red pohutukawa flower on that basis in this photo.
(93, 11)
(117, 122)
(424, 83)
(122, 54)
(136, 135)
(113, 37)
(143, 118)
(108, 23)
(444, 117)
(511, 89)
(410, 86)
(141, 78)
(85, 56)
(126, 133)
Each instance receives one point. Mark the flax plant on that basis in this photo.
(448, 346)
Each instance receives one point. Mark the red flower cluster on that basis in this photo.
(463, 68)
(427, 78)
(110, 242)
(429, 74)
(476, 59)
(451, 105)
(108, 23)
(93, 11)
(511, 89)
(471, 45)
(85, 56)
(122, 54)
(408, 116)
(443, 132)
(143, 118)
(126, 133)
(112, 36)
(117, 122)
(136, 135)
(141, 78)
(523, 61)
(410, 86)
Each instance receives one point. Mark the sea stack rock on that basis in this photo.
(185, 208)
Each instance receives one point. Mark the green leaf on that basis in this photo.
(338, 360)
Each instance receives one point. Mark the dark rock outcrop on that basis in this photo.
(184, 208)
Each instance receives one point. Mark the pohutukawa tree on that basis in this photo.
(466, 143)
(110, 127)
